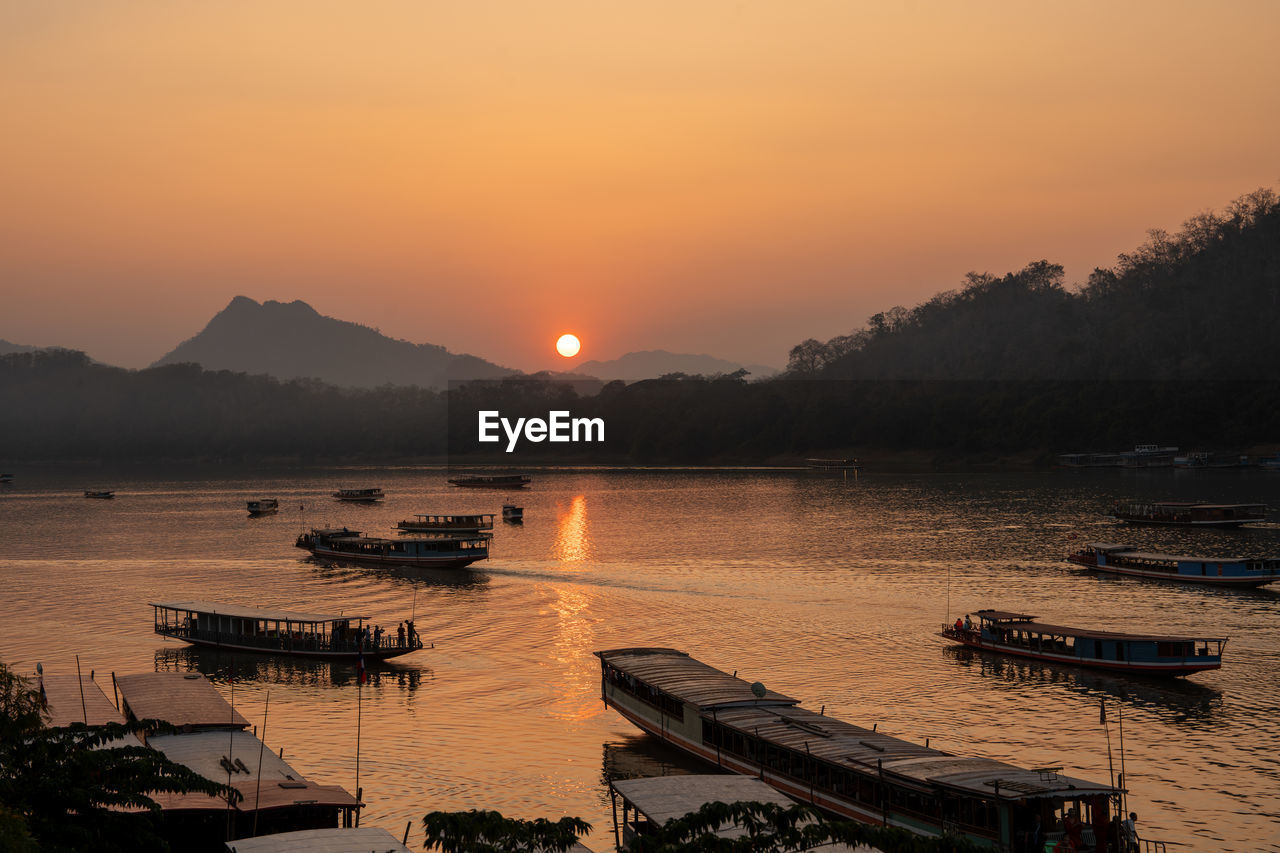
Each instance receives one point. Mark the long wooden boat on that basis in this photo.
(100, 494)
(438, 551)
(280, 632)
(1110, 558)
(834, 464)
(448, 523)
(492, 481)
(359, 495)
(1189, 514)
(512, 513)
(854, 772)
(1019, 634)
(263, 506)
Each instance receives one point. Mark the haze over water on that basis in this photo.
(825, 588)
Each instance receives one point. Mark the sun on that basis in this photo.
(568, 345)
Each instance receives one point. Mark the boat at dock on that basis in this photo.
(834, 464)
(448, 523)
(1110, 558)
(512, 513)
(1189, 513)
(278, 632)
(492, 481)
(436, 551)
(849, 770)
(263, 506)
(100, 494)
(359, 495)
(1019, 634)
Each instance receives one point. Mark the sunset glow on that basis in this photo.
(568, 345)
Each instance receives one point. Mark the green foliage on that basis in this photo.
(489, 832)
(80, 788)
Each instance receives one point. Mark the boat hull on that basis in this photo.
(338, 657)
(1234, 581)
(467, 484)
(1180, 667)
(1160, 522)
(450, 561)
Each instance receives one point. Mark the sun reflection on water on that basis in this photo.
(573, 538)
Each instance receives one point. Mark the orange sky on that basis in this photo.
(721, 177)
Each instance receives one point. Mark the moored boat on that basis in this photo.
(492, 481)
(854, 772)
(1110, 558)
(281, 632)
(100, 494)
(473, 523)
(6, 478)
(436, 551)
(834, 464)
(359, 495)
(512, 513)
(1019, 634)
(1189, 513)
(263, 506)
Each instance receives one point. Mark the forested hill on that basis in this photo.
(1200, 304)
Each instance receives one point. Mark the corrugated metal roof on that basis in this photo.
(239, 611)
(688, 680)
(364, 839)
(182, 699)
(203, 752)
(62, 693)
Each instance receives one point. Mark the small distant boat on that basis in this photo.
(1189, 514)
(448, 523)
(1019, 634)
(100, 494)
(512, 513)
(282, 632)
(436, 551)
(263, 506)
(6, 478)
(494, 481)
(359, 495)
(1114, 559)
(834, 464)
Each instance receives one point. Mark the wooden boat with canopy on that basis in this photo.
(279, 632)
(492, 481)
(1189, 513)
(473, 523)
(1019, 634)
(1109, 558)
(442, 551)
(359, 495)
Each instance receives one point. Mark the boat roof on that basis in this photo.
(203, 752)
(239, 611)
(1028, 623)
(1198, 504)
(453, 515)
(179, 698)
(63, 705)
(849, 745)
(1130, 551)
(689, 680)
(360, 839)
(254, 797)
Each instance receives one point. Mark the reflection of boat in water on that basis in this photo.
(223, 665)
(1189, 514)
(1170, 699)
(263, 506)
(279, 632)
(512, 513)
(1110, 558)
(440, 551)
(492, 481)
(448, 523)
(842, 768)
(359, 495)
(1019, 634)
(100, 494)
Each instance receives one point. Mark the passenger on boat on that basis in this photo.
(968, 623)
(400, 634)
(959, 624)
(1074, 830)
(1129, 833)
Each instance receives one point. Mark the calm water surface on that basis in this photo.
(824, 588)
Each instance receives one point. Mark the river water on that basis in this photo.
(826, 588)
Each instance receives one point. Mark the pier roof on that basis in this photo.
(689, 680)
(182, 699)
(204, 751)
(240, 612)
(64, 707)
(847, 745)
(334, 840)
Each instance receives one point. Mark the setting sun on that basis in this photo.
(568, 345)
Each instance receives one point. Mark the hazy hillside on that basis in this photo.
(7, 347)
(292, 341)
(652, 364)
(1200, 304)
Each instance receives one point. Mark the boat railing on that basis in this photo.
(290, 641)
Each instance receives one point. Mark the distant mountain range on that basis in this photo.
(293, 341)
(6, 347)
(651, 364)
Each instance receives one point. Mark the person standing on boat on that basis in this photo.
(1129, 833)
(408, 624)
(400, 634)
(959, 625)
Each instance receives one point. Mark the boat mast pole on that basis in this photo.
(80, 681)
(1124, 796)
(359, 712)
(231, 748)
(262, 745)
